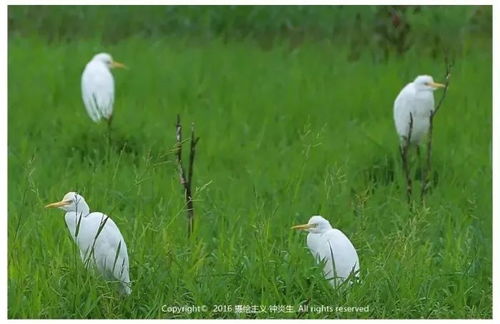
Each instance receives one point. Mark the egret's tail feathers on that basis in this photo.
(125, 288)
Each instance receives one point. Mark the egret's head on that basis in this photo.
(71, 202)
(426, 83)
(316, 224)
(108, 61)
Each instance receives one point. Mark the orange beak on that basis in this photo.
(436, 85)
(58, 204)
(119, 65)
(302, 227)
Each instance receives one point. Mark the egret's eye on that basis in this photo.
(426, 83)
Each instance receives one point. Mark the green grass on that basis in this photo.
(285, 134)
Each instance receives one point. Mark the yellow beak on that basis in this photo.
(436, 85)
(302, 227)
(115, 64)
(58, 204)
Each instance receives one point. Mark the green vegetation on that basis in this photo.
(286, 132)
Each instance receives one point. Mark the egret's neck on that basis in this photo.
(81, 207)
(74, 219)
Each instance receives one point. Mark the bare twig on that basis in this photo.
(192, 152)
(428, 165)
(448, 66)
(178, 138)
(404, 149)
(186, 182)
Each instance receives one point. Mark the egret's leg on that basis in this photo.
(406, 144)
(404, 149)
(419, 162)
(108, 137)
(109, 120)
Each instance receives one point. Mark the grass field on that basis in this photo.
(285, 134)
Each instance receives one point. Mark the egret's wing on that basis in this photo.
(109, 250)
(337, 251)
(346, 257)
(98, 91)
(403, 105)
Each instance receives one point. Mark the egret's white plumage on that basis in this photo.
(331, 246)
(98, 86)
(417, 99)
(105, 250)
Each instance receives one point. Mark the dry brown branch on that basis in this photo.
(428, 165)
(186, 182)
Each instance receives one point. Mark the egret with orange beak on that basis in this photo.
(100, 242)
(98, 87)
(331, 246)
(415, 101)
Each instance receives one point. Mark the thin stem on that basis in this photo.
(186, 182)
(428, 162)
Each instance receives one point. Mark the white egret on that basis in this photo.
(98, 87)
(100, 242)
(415, 101)
(331, 246)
